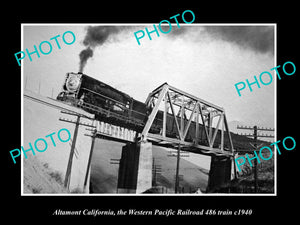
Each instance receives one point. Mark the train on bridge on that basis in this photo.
(118, 108)
(113, 106)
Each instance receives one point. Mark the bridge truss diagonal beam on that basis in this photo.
(186, 111)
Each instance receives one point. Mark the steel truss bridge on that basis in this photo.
(186, 107)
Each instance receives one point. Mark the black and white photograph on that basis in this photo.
(131, 115)
(148, 116)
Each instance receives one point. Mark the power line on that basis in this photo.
(255, 146)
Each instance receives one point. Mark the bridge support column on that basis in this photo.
(220, 173)
(135, 171)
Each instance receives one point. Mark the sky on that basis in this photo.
(203, 60)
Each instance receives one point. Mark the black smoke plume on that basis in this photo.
(95, 36)
(84, 56)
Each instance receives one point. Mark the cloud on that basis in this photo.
(256, 38)
(97, 36)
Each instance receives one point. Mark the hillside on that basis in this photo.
(40, 178)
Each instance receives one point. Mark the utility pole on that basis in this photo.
(255, 146)
(93, 136)
(116, 162)
(177, 170)
(182, 114)
(77, 123)
(178, 154)
(255, 162)
(156, 170)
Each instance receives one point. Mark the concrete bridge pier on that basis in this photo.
(135, 171)
(220, 174)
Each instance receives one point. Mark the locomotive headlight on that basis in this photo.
(73, 82)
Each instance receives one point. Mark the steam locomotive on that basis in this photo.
(106, 102)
